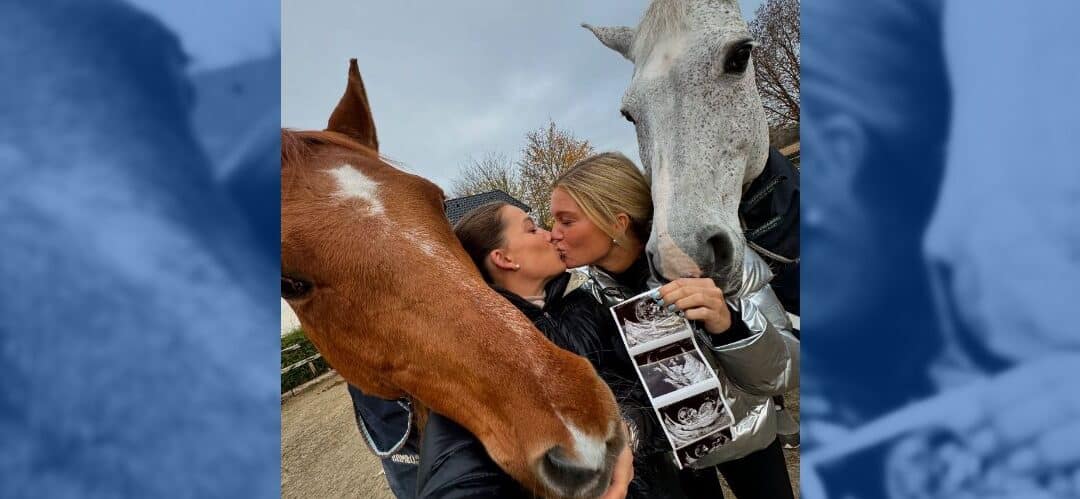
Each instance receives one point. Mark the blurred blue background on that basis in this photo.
(941, 241)
(138, 221)
(138, 226)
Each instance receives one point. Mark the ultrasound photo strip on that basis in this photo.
(643, 322)
(674, 373)
(684, 393)
(693, 418)
(666, 351)
(682, 387)
(645, 325)
(698, 449)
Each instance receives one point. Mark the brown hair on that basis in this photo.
(606, 184)
(480, 232)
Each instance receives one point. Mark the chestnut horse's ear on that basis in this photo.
(352, 116)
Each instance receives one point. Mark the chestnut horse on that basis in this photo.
(387, 294)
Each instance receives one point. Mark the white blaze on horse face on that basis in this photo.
(673, 262)
(352, 184)
(663, 56)
(591, 451)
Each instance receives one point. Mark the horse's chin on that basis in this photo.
(728, 282)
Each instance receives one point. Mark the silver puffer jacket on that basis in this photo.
(751, 370)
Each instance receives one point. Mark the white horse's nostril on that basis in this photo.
(723, 251)
(672, 262)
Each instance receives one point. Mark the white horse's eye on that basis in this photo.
(737, 59)
(626, 114)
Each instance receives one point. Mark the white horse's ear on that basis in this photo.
(617, 38)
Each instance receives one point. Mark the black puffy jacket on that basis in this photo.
(769, 211)
(453, 465)
(453, 462)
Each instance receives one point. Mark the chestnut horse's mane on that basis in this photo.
(297, 144)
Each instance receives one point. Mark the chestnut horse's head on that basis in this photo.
(387, 294)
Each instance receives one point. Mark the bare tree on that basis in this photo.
(548, 152)
(490, 172)
(776, 28)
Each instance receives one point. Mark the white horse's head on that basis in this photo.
(701, 130)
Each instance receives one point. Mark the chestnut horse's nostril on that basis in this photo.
(566, 475)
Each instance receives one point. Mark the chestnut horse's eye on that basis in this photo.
(292, 288)
(626, 114)
(738, 59)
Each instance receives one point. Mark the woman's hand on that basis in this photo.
(699, 300)
(620, 478)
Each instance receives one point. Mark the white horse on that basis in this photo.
(701, 130)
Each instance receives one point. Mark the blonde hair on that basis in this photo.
(606, 184)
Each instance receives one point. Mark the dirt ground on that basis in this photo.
(321, 451)
(322, 454)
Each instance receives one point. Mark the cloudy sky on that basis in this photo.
(447, 82)
(218, 33)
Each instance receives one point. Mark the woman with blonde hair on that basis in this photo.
(602, 209)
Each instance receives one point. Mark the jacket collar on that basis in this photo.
(637, 276)
(553, 295)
